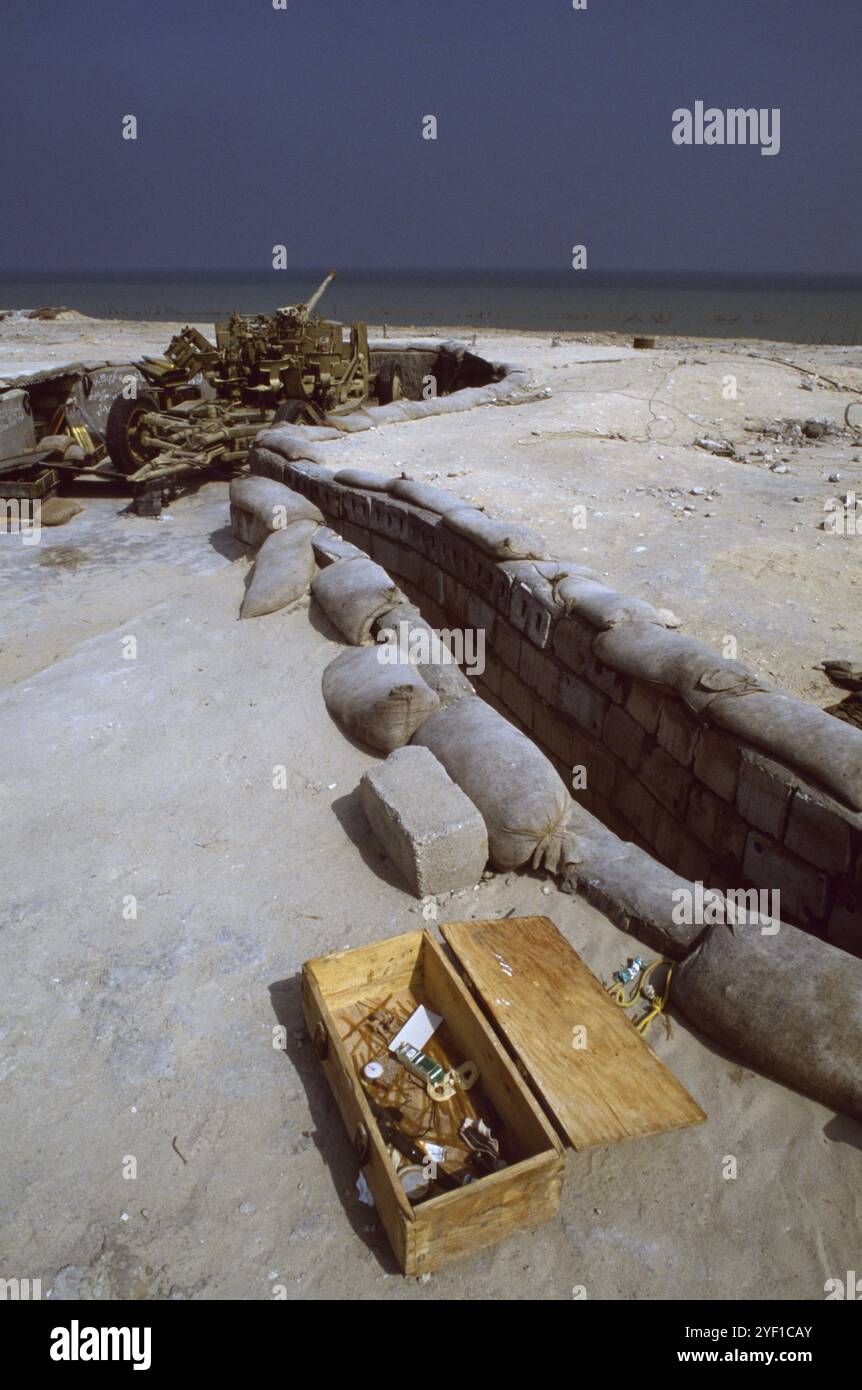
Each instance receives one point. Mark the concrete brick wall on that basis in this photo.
(708, 806)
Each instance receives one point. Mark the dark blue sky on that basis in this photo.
(260, 126)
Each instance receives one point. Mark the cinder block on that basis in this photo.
(600, 766)
(676, 848)
(640, 808)
(677, 732)
(431, 581)
(803, 890)
(492, 676)
(421, 530)
(845, 921)
(356, 507)
(530, 615)
(716, 763)
(572, 642)
(481, 616)
(455, 600)
(716, 824)
(644, 704)
(667, 781)
(396, 559)
(762, 799)
(502, 594)
(819, 835)
(359, 536)
(389, 517)
(507, 643)
(554, 735)
(541, 673)
(625, 737)
(517, 697)
(586, 705)
(615, 686)
(429, 828)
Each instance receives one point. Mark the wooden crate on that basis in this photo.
(528, 990)
(460, 1222)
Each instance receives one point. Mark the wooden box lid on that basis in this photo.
(538, 991)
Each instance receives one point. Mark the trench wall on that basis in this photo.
(705, 803)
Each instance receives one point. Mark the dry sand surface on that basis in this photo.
(153, 777)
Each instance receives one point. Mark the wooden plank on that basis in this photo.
(460, 1223)
(538, 991)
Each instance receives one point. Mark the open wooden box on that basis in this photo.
(614, 1088)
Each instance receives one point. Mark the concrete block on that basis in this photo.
(430, 830)
(667, 781)
(762, 799)
(600, 766)
(389, 517)
(431, 581)
(644, 704)
(716, 763)
(516, 696)
(356, 507)
(502, 593)
(583, 703)
(819, 835)
(716, 824)
(554, 735)
(530, 615)
(803, 890)
(421, 530)
(640, 808)
(481, 616)
(492, 676)
(455, 600)
(677, 732)
(508, 643)
(540, 672)
(625, 737)
(572, 642)
(396, 559)
(357, 535)
(676, 848)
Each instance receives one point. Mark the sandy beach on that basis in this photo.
(153, 1036)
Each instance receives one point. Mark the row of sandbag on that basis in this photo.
(629, 635)
(785, 1002)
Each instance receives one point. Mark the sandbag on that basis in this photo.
(787, 1003)
(625, 883)
(681, 664)
(601, 605)
(57, 511)
(354, 594)
(363, 477)
(282, 570)
(295, 442)
(425, 495)
(502, 540)
(260, 505)
(804, 737)
(381, 704)
(329, 547)
(405, 630)
(521, 798)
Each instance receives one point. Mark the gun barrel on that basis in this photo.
(320, 291)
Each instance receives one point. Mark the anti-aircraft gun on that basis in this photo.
(202, 404)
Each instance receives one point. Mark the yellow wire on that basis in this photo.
(618, 993)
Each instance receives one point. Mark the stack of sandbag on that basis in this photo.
(259, 506)
(522, 800)
(283, 570)
(501, 540)
(354, 594)
(380, 703)
(403, 630)
(267, 514)
(787, 1002)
